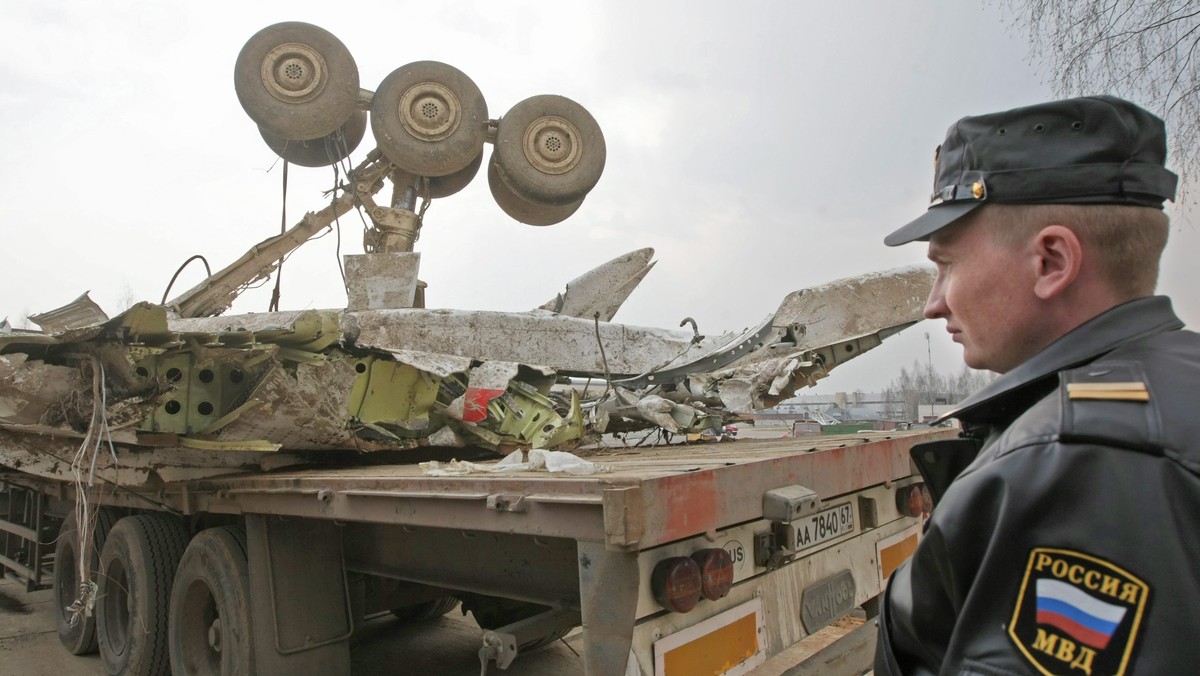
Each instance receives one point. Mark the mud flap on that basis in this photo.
(299, 601)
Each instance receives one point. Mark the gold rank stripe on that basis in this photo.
(1110, 391)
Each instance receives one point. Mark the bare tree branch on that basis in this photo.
(1144, 50)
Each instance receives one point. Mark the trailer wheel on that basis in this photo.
(137, 568)
(210, 607)
(429, 610)
(79, 639)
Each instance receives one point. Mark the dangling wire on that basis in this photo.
(98, 435)
(423, 192)
(604, 359)
(207, 271)
(274, 306)
(340, 148)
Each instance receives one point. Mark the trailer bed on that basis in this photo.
(652, 495)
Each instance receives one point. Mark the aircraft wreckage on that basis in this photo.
(177, 390)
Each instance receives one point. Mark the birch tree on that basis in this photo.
(1142, 50)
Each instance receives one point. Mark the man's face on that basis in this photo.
(984, 291)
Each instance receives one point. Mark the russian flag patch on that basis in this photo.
(1077, 613)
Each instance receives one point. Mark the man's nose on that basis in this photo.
(935, 305)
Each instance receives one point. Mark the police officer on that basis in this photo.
(1066, 535)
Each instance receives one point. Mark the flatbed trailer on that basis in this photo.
(807, 529)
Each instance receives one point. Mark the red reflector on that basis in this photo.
(716, 572)
(676, 584)
(926, 500)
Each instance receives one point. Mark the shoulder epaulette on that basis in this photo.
(1133, 391)
(1109, 403)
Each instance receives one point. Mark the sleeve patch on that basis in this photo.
(1077, 613)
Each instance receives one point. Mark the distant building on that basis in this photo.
(845, 407)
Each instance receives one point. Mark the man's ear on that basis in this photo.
(1059, 258)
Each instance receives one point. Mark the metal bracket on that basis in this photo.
(745, 344)
(789, 503)
(503, 645)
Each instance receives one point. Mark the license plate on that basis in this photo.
(825, 525)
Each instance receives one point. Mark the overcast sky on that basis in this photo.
(759, 147)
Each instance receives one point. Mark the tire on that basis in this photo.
(429, 610)
(137, 566)
(323, 151)
(296, 80)
(429, 118)
(445, 186)
(209, 628)
(79, 639)
(523, 210)
(550, 150)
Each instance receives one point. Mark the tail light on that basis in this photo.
(716, 572)
(914, 500)
(676, 583)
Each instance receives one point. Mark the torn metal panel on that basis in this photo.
(623, 410)
(142, 321)
(305, 408)
(50, 456)
(380, 281)
(394, 395)
(764, 383)
(603, 289)
(565, 344)
(500, 405)
(440, 365)
(737, 349)
(312, 330)
(486, 382)
(855, 306)
(400, 379)
(79, 313)
(26, 341)
(528, 418)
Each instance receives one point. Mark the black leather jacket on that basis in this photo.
(1070, 543)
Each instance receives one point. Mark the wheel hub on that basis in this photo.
(551, 145)
(429, 111)
(214, 635)
(294, 73)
